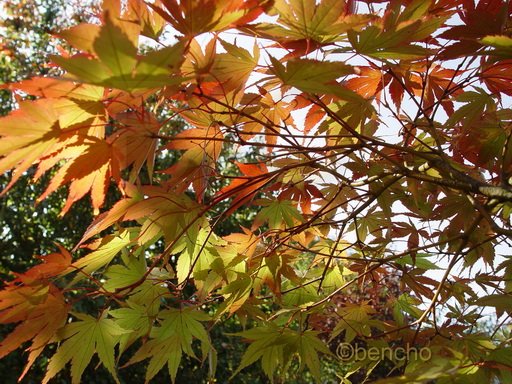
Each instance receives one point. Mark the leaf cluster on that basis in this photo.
(371, 141)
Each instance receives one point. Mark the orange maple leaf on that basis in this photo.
(203, 147)
(245, 188)
(193, 17)
(135, 141)
(369, 82)
(90, 165)
(35, 302)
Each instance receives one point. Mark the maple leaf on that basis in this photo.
(178, 328)
(403, 74)
(236, 293)
(486, 18)
(268, 115)
(343, 102)
(41, 317)
(274, 268)
(83, 339)
(232, 69)
(81, 36)
(244, 243)
(161, 213)
(15, 305)
(393, 35)
(21, 147)
(219, 74)
(438, 87)
(144, 295)
(48, 87)
(354, 321)
(112, 59)
(497, 77)
(119, 276)
(369, 81)
(134, 317)
(106, 219)
(38, 304)
(294, 187)
(51, 140)
(93, 161)
(275, 347)
(198, 251)
(202, 149)
(165, 214)
(406, 304)
(135, 141)
(91, 171)
(152, 24)
(218, 261)
(314, 116)
(245, 188)
(106, 249)
(315, 77)
(143, 288)
(277, 213)
(193, 17)
(110, 42)
(52, 265)
(502, 45)
(80, 107)
(305, 25)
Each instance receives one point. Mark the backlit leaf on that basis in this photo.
(81, 341)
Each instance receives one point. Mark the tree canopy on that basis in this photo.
(371, 141)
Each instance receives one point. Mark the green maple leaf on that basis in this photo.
(109, 247)
(275, 347)
(392, 39)
(309, 345)
(316, 77)
(117, 64)
(354, 321)
(323, 22)
(178, 328)
(277, 212)
(134, 317)
(120, 276)
(502, 303)
(266, 341)
(236, 294)
(408, 304)
(197, 251)
(502, 45)
(115, 49)
(83, 339)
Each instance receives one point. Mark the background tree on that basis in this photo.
(383, 152)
